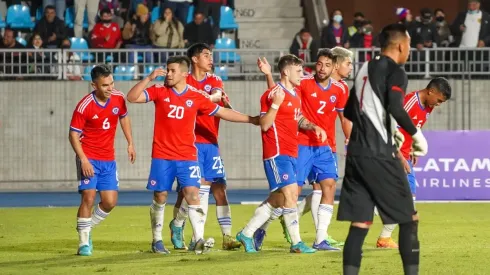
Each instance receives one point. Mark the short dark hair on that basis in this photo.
(439, 9)
(358, 14)
(196, 49)
(100, 71)
(442, 85)
(288, 60)
(105, 11)
(181, 60)
(50, 7)
(303, 30)
(390, 33)
(325, 53)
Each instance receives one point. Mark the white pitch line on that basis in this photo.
(416, 202)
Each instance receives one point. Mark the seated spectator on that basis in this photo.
(36, 58)
(60, 7)
(304, 46)
(136, 33)
(335, 34)
(211, 8)
(199, 31)
(9, 42)
(106, 35)
(51, 28)
(442, 27)
(167, 32)
(114, 6)
(72, 72)
(179, 7)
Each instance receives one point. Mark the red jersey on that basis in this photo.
(282, 137)
(339, 107)
(175, 120)
(318, 104)
(207, 126)
(97, 124)
(101, 32)
(419, 115)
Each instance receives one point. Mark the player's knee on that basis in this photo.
(160, 197)
(108, 205)
(88, 200)
(365, 225)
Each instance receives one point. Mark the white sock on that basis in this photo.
(182, 214)
(176, 211)
(196, 216)
(276, 213)
(413, 201)
(387, 230)
(98, 215)
(261, 215)
(83, 227)
(223, 213)
(315, 203)
(204, 200)
(156, 217)
(305, 205)
(292, 223)
(325, 213)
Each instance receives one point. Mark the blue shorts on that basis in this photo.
(411, 179)
(280, 171)
(316, 159)
(164, 172)
(105, 176)
(210, 162)
(312, 177)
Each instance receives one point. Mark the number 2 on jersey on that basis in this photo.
(322, 106)
(176, 112)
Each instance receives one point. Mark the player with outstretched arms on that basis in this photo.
(92, 133)
(210, 162)
(174, 155)
(374, 175)
(419, 106)
(320, 97)
(280, 121)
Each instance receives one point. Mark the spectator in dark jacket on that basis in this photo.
(336, 33)
(199, 31)
(304, 46)
(445, 37)
(471, 28)
(405, 17)
(426, 35)
(136, 33)
(51, 28)
(363, 39)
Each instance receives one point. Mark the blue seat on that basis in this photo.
(221, 72)
(124, 73)
(227, 19)
(19, 17)
(81, 44)
(227, 44)
(149, 69)
(21, 40)
(3, 24)
(86, 73)
(190, 14)
(70, 18)
(39, 13)
(155, 14)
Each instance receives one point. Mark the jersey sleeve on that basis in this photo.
(396, 86)
(77, 122)
(206, 106)
(265, 103)
(343, 95)
(217, 84)
(124, 108)
(152, 93)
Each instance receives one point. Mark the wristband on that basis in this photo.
(275, 106)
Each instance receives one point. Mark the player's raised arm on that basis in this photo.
(136, 94)
(305, 124)
(266, 69)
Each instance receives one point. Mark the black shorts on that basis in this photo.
(370, 182)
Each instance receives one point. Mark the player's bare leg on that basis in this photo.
(325, 213)
(197, 218)
(157, 210)
(223, 214)
(84, 221)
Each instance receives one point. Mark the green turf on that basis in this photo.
(454, 240)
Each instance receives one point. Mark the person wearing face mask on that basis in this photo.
(471, 28)
(358, 21)
(363, 38)
(106, 35)
(335, 34)
(442, 27)
(426, 35)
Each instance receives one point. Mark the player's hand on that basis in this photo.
(277, 95)
(264, 66)
(406, 166)
(255, 120)
(157, 73)
(419, 146)
(320, 134)
(415, 160)
(398, 139)
(87, 169)
(226, 100)
(131, 153)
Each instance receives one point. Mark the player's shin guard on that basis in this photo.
(196, 216)
(182, 214)
(315, 204)
(353, 250)
(261, 215)
(223, 214)
(276, 213)
(292, 223)
(305, 205)
(156, 217)
(409, 247)
(325, 213)
(98, 215)
(83, 228)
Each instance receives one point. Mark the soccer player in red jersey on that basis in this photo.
(92, 132)
(280, 119)
(419, 106)
(174, 155)
(320, 96)
(210, 162)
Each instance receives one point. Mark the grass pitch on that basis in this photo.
(454, 240)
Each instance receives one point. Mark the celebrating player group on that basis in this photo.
(297, 120)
